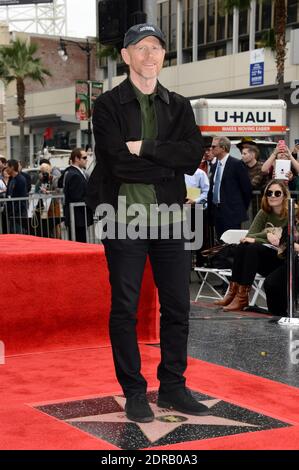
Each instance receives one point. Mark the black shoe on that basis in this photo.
(182, 400)
(138, 409)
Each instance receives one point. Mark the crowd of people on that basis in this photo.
(53, 192)
(262, 251)
(225, 187)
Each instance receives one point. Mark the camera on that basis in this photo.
(45, 178)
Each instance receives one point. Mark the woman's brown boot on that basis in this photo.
(229, 297)
(240, 301)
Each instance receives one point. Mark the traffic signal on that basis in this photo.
(115, 17)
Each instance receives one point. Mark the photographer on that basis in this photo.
(47, 182)
(47, 214)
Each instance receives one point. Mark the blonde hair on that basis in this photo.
(45, 168)
(286, 195)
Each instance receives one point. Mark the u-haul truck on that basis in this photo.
(254, 118)
(257, 120)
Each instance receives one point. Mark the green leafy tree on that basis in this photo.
(18, 63)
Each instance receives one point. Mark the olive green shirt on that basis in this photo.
(263, 220)
(144, 195)
(139, 193)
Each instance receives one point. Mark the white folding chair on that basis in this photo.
(203, 274)
(230, 236)
(258, 290)
(233, 235)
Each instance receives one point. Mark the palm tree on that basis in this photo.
(17, 63)
(280, 39)
(280, 21)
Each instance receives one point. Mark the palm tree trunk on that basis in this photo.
(280, 39)
(21, 117)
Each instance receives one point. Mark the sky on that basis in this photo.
(81, 18)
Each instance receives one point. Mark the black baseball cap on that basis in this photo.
(141, 31)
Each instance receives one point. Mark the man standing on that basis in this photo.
(258, 179)
(146, 139)
(230, 189)
(16, 188)
(75, 187)
(26, 176)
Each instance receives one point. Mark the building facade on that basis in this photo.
(217, 64)
(200, 62)
(50, 110)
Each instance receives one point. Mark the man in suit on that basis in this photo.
(75, 187)
(230, 189)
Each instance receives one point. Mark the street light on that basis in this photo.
(62, 52)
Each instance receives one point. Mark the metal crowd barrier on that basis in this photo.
(38, 215)
(92, 232)
(42, 215)
(292, 258)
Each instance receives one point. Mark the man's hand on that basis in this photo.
(134, 147)
(189, 201)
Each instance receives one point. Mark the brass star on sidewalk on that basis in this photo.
(165, 421)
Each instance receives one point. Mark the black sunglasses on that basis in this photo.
(270, 193)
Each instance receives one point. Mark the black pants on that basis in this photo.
(275, 286)
(171, 267)
(221, 223)
(80, 233)
(253, 258)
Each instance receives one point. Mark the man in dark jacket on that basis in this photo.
(146, 139)
(26, 176)
(230, 189)
(75, 186)
(16, 188)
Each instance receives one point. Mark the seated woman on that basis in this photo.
(257, 252)
(275, 284)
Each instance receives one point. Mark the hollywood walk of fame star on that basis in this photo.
(165, 421)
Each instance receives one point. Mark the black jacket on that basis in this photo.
(28, 181)
(178, 148)
(235, 191)
(75, 187)
(16, 188)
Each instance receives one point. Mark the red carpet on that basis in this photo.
(56, 294)
(67, 375)
(55, 302)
